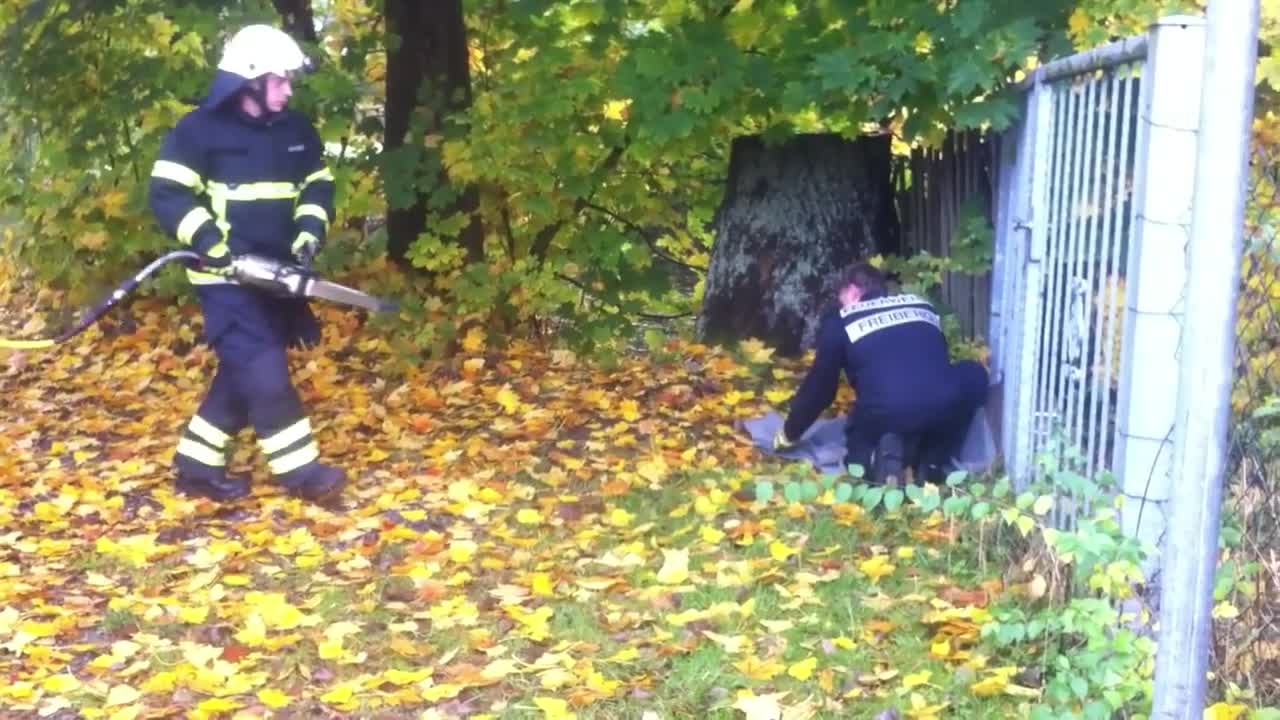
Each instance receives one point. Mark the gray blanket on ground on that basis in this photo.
(823, 444)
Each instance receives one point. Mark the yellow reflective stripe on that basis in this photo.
(286, 437)
(218, 250)
(294, 460)
(191, 222)
(195, 277)
(180, 174)
(208, 432)
(312, 210)
(322, 174)
(303, 238)
(254, 191)
(201, 453)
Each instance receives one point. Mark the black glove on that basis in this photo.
(305, 247)
(216, 260)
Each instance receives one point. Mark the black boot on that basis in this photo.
(313, 481)
(889, 461)
(200, 480)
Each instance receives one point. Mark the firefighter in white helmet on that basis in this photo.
(240, 174)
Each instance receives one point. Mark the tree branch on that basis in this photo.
(542, 242)
(646, 316)
(636, 229)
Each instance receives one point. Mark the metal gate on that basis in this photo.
(1075, 182)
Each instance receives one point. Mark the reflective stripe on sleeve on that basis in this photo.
(312, 210)
(191, 223)
(180, 174)
(321, 175)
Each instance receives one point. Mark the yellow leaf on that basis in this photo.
(1225, 610)
(777, 395)
(1044, 504)
(843, 643)
(757, 669)
(940, 649)
(407, 677)
(473, 341)
(113, 202)
(217, 705)
(760, 707)
(528, 516)
(254, 633)
(273, 698)
(755, 351)
(616, 109)
(620, 518)
(436, 693)
(987, 687)
(554, 708)
(710, 535)
(779, 551)
(1223, 711)
(876, 567)
(339, 695)
(461, 551)
(507, 398)
(906, 553)
(803, 670)
(193, 615)
(61, 683)
(915, 679)
(675, 567)
(542, 585)
(556, 678)
(1078, 23)
(122, 695)
(731, 643)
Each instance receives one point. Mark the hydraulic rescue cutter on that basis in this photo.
(273, 276)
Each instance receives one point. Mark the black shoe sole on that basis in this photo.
(889, 461)
(195, 488)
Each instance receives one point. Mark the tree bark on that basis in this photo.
(792, 218)
(427, 56)
(298, 18)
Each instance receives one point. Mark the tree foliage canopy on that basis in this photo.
(597, 137)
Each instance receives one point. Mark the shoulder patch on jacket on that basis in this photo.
(297, 148)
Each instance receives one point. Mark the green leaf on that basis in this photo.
(957, 478)
(1001, 489)
(792, 492)
(843, 492)
(893, 499)
(1025, 500)
(956, 505)
(764, 491)
(981, 510)
(873, 497)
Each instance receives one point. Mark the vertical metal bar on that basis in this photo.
(1083, 274)
(1043, 131)
(1068, 243)
(1204, 402)
(1114, 164)
(1046, 400)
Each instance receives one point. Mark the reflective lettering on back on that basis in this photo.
(887, 312)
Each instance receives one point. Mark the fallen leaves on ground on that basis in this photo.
(525, 535)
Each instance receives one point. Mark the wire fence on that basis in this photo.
(1247, 627)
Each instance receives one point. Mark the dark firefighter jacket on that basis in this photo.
(228, 182)
(894, 355)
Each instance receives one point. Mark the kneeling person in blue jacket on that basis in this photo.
(893, 353)
(242, 174)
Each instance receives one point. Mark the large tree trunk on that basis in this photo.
(793, 216)
(427, 54)
(299, 21)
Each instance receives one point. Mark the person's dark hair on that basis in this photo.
(866, 276)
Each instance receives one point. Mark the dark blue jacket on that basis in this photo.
(257, 185)
(893, 353)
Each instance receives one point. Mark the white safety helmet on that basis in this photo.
(257, 50)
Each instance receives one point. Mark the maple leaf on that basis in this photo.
(554, 708)
(675, 567)
(876, 567)
(760, 707)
